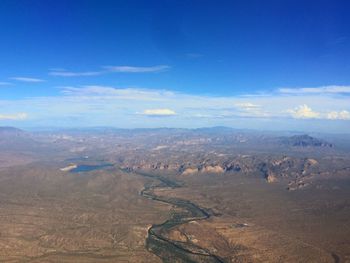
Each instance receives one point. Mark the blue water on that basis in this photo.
(88, 168)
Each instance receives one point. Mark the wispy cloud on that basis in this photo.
(248, 109)
(108, 69)
(159, 112)
(65, 73)
(317, 90)
(15, 116)
(27, 79)
(247, 105)
(107, 92)
(130, 69)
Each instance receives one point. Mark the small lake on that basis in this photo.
(88, 168)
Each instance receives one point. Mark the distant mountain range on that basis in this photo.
(10, 131)
(214, 150)
(304, 141)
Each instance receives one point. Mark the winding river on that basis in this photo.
(158, 243)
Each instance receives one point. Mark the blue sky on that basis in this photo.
(245, 64)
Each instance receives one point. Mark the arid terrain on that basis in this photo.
(173, 195)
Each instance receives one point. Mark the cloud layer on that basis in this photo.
(341, 115)
(305, 112)
(94, 105)
(27, 79)
(15, 116)
(159, 112)
(318, 90)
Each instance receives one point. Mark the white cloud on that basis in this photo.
(15, 116)
(58, 72)
(26, 79)
(159, 112)
(332, 89)
(338, 115)
(106, 92)
(248, 109)
(304, 112)
(200, 115)
(131, 69)
(247, 105)
(65, 73)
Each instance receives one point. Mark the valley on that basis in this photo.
(173, 196)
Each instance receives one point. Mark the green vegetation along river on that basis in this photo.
(172, 250)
